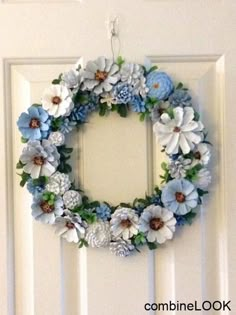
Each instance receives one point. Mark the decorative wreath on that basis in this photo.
(104, 86)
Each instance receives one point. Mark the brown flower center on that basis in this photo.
(56, 100)
(156, 224)
(46, 208)
(176, 129)
(126, 223)
(38, 160)
(70, 225)
(101, 75)
(161, 111)
(34, 123)
(180, 197)
(197, 155)
(156, 85)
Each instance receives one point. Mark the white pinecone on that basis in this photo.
(58, 183)
(140, 87)
(121, 248)
(72, 199)
(98, 234)
(57, 138)
(179, 167)
(130, 73)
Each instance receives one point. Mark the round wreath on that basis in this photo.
(104, 86)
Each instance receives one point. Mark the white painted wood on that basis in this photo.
(192, 40)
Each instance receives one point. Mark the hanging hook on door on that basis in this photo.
(114, 36)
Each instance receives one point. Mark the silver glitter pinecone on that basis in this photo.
(98, 234)
(72, 199)
(57, 138)
(121, 248)
(58, 183)
(179, 167)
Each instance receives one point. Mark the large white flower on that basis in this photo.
(124, 223)
(71, 227)
(71, 79)
(203, 179)
(157, 223)
(56, 100)
(40, 159)
(100, 75)
(179, 132)
(201, 154)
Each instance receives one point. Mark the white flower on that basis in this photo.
(158, 110)
(100, 75)
(180, 196)
(56, 100)
(201, 154)
(57, 138)
(98, 234)
(108, 98)
(157, 223)
(132, 74)
(58, 183)
(178, 168)
(180, 132)
(71, 227)
(203, 179)
(71, 79)
(72, 199)
(121, 248)
(124, 223)
(40, 158)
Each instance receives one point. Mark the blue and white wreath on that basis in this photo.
(105, 86)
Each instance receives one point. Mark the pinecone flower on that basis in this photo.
(98, 234)
(121, 248)
(72, 199)
(59, 183)
(179, 167)
(57, 138)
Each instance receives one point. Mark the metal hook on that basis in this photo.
(114, 27)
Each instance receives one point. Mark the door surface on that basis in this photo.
(192, 40)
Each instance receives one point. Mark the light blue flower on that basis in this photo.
(160, 85)
(180, 196)
(180, 98)
(35, 124)
(123, 93)
(81, 113)
(45, 212)
(103, 212)
(34, 189)
(138, 104)
(67, 126)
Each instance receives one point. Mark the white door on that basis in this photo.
(192, 40)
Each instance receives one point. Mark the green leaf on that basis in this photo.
(57, 81)
(82, 243)
(24, 178)
(189, 217)
(120, 61)
(122, 110)
(20, 165)
(24, 140)
(139, 239)
(153, 68)
(103, 109)
(196, 116)
(164, 166)
(142, 116)
(179, 86)
(170, 112)
(152, 246)
(202, 192)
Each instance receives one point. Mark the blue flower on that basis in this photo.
(160, 85)
(123, 93)
(156, 200)
(35, 124)
(180, 98)
(138, 104)
(67, 126)
(34, 189)
(103, 212)
(179, 196)
(180, 220)
(80, 113)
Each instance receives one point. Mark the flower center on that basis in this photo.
(56, 100)
(38, 160)
(156, 224)
(156, 85)
(70, 225)
(101, 75)
(176, 129)
(46, 208)
(34, 123)
(161, 111)
(126, 223)
(180, 197)
(197, 155)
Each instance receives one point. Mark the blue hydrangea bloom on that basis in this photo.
(103, 212)
(33, 189)
(80, 113)
(160, 85)
(180, 220)
(138, 104)
(35, 124)
(67, 126)
(156, 200)
(180, 98)
(123, 93)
